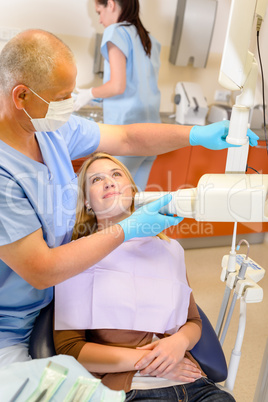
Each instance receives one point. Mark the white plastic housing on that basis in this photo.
(236, 58)
(218, 198)
(238, 125)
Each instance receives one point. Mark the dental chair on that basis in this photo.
(207, 351)
(41, 340)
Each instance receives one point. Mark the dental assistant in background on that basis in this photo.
(106, 316)
(38, 186)
(131, 63)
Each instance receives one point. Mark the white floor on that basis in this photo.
(204, 268)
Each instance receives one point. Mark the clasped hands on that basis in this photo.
(165, 359)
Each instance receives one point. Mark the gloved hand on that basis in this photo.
(83, 98)
(214, 136)
(148, 221)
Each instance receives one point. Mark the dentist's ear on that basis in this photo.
(20, 95)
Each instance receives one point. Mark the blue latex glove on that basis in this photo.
(148, 221)
(213, 136)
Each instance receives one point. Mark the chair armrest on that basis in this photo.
(208, 352)
(41, 340)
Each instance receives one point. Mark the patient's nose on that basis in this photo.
(108, 183)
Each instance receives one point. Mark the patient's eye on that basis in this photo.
(96, 179)
(117, 174)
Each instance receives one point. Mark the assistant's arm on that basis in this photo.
(117, 82)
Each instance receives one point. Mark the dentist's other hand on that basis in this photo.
(148, 221)
(213, 136)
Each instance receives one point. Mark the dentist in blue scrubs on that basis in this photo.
(38, 141)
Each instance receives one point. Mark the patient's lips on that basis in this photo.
(111, 194)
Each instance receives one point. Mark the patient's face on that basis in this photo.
(109, 191)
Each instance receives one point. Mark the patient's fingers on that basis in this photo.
(185, 371)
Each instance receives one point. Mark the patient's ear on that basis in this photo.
(88, 207)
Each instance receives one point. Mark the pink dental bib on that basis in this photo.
(140, 286)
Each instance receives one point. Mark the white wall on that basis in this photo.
(76, 22)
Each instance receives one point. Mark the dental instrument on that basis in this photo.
(19, 391)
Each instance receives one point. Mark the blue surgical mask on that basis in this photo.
(57, 115)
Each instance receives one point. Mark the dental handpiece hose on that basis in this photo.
(230, 268)
(244, 265)
(240, 276)
(223, 309)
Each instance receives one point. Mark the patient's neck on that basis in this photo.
(106, 222)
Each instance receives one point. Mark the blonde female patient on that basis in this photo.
(130, 319)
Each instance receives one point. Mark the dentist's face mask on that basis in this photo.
(58, 113)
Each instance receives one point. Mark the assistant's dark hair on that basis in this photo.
(130, 13)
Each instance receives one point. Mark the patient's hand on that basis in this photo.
(185, 371)
(166, 359)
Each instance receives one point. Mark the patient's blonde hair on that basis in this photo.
(86, 222)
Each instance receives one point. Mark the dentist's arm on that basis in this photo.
(42, 267)
(155, 139)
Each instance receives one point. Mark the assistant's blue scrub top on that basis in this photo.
(34, 195)
(140, 102)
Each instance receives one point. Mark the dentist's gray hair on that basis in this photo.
(30, 58)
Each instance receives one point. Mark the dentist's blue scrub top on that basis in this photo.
(34, 195)
(140, 102)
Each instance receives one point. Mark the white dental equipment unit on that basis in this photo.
(191, 105)
(239, 71)
(218, 198)
(233, 196)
